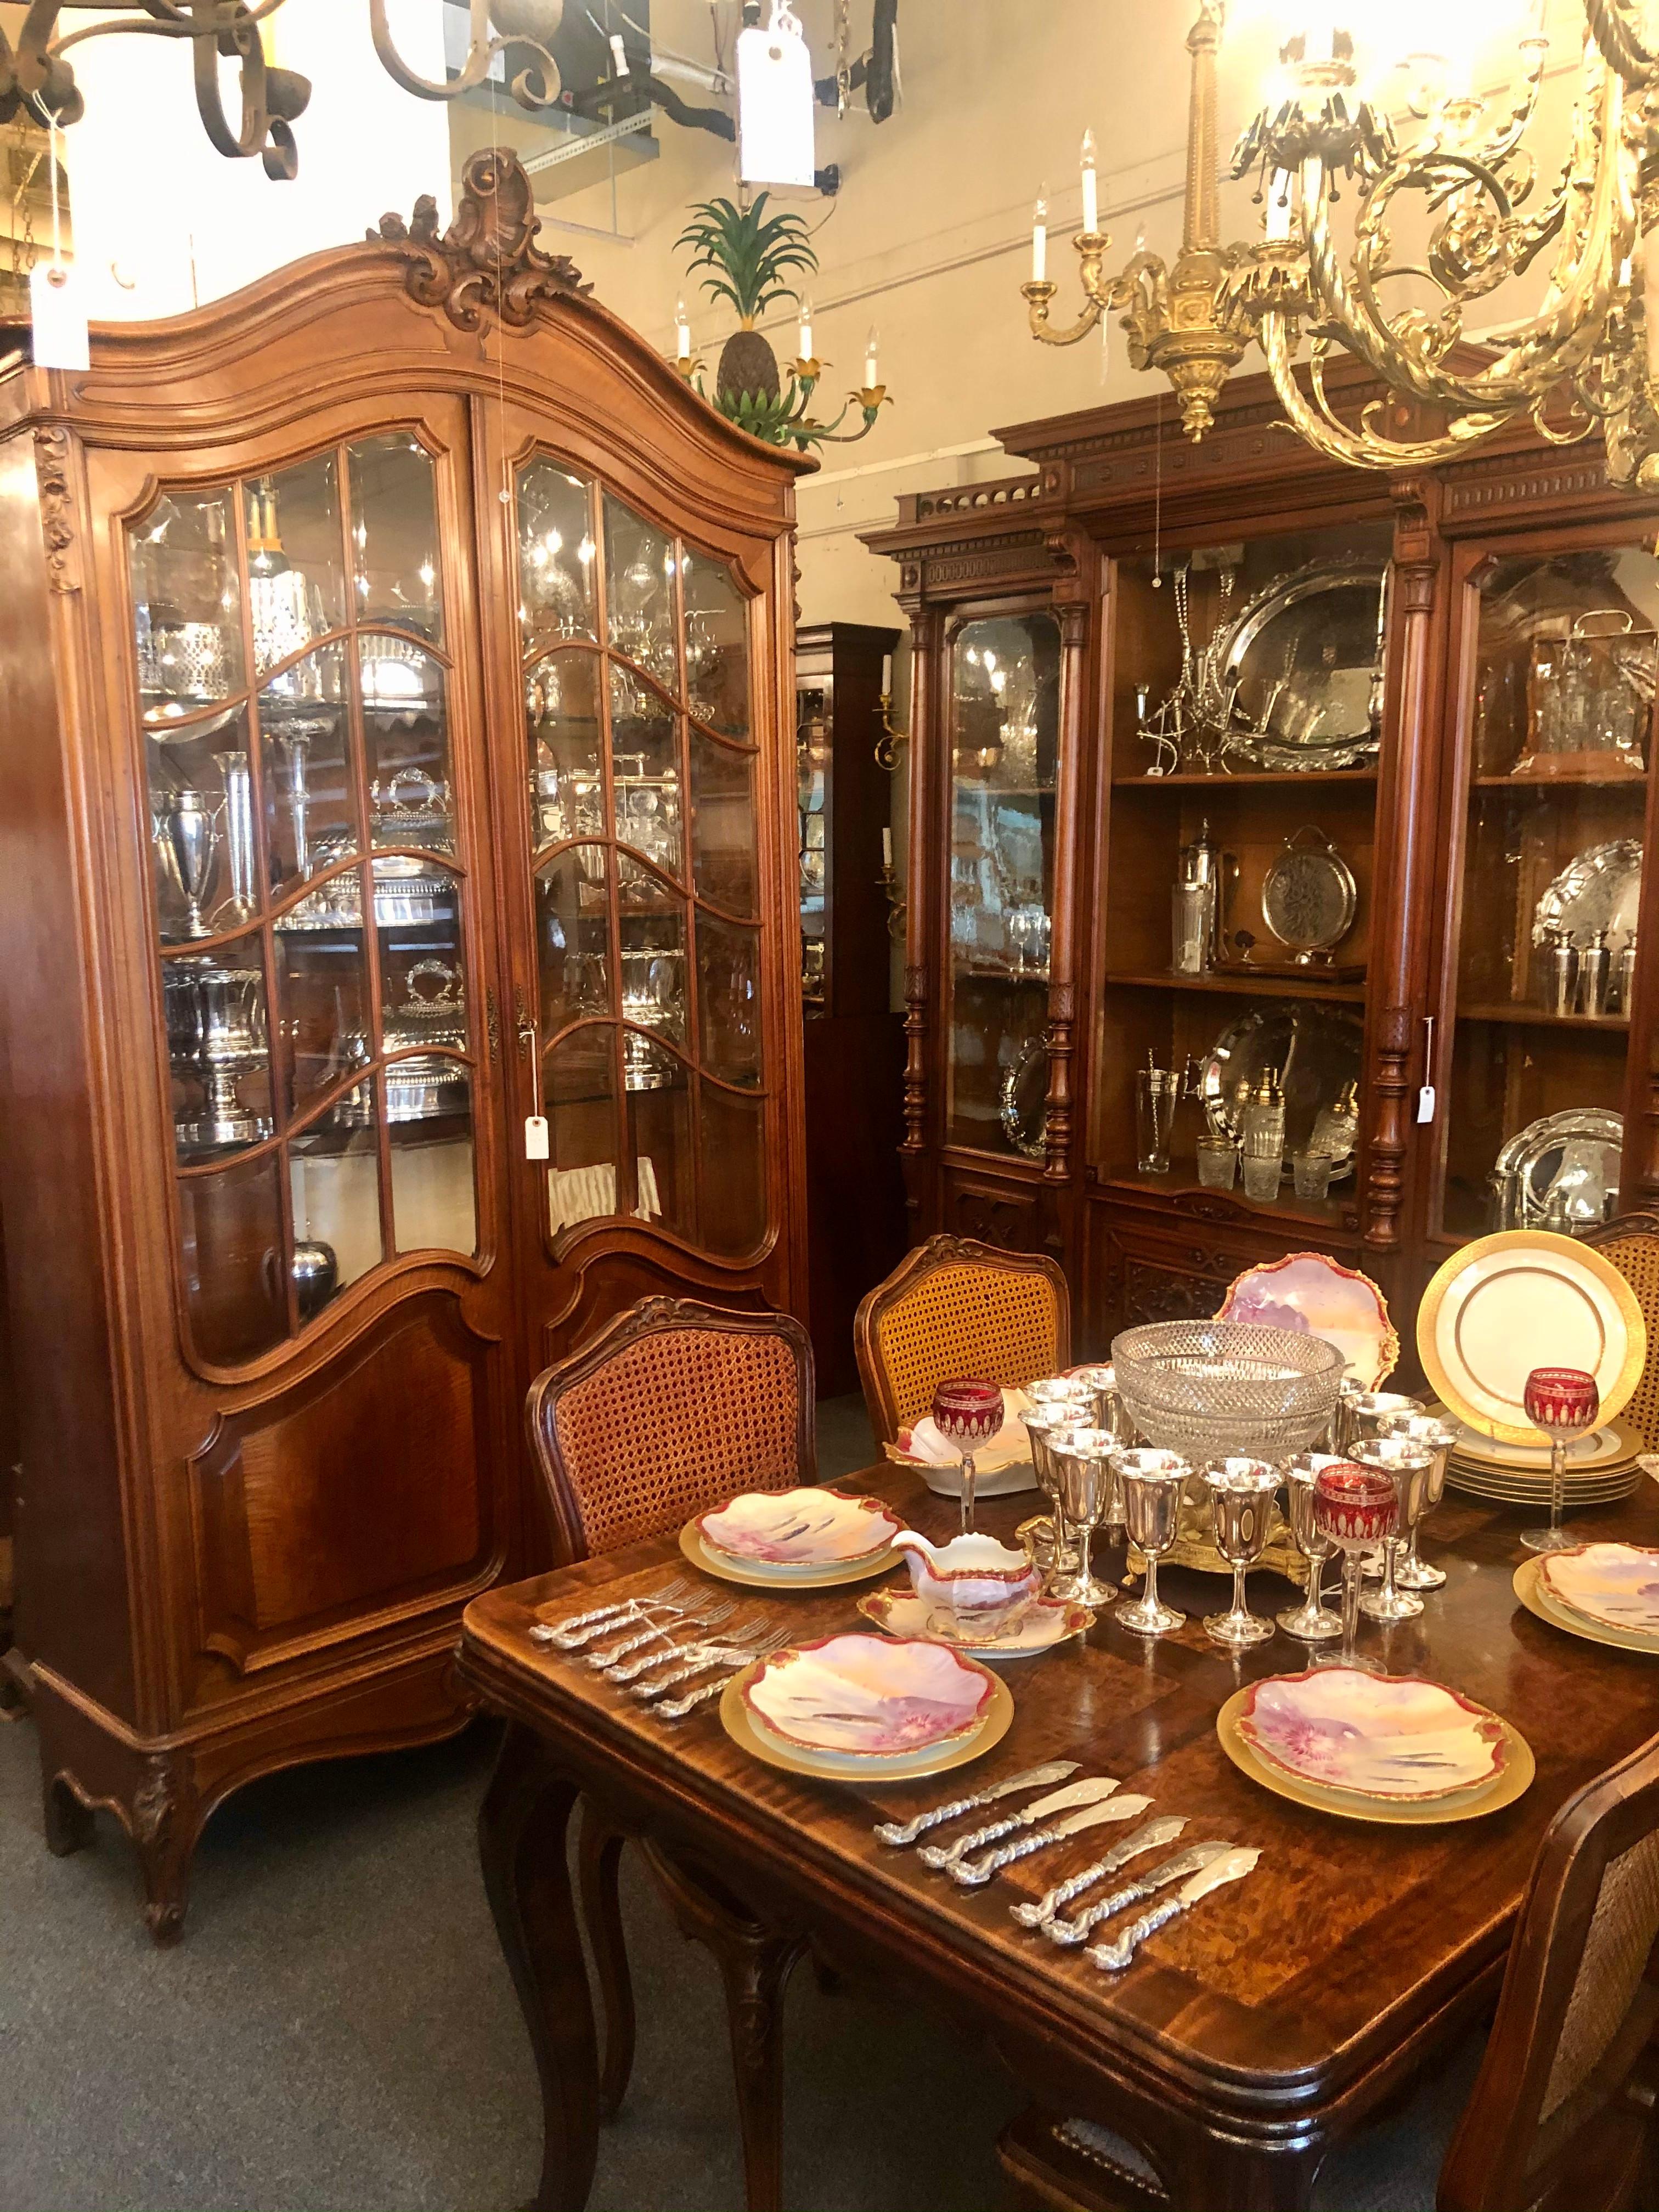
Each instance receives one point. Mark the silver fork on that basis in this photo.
(577, 1629)
(676, 1708)
(604, 1662)
(736, 1649)
(631, 1671)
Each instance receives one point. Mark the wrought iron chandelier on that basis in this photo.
(37, 78)
(1585, 357)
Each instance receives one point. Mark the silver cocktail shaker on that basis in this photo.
(1561, 974)
(1627, 975)
(1595, 965)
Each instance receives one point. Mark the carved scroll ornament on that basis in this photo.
(488, 261)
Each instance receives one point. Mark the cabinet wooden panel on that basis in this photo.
(355, 817)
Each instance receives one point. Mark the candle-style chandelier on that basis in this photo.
(1462, 196)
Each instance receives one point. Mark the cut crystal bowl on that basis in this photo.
(1205, 1388)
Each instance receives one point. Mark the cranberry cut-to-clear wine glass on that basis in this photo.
(967, 1414)
(1564, 1403)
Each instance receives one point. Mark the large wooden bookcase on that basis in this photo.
(407, 584)
(1053, 957)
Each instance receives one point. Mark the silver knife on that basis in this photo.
(974, 1874)
(1152, 1838)
(941, 1856)
(1191, 1861)
(1231, 1866)
(900, 1832)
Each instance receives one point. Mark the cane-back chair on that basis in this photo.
(672, 1408)
(956, 1307)
(1632, 1243)
(1555, 2114)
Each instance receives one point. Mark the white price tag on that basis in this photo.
(59, 317)
(1425, 1103)
(776, 102)
(535, 1137)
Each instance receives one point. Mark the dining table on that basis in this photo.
(1249, 2036)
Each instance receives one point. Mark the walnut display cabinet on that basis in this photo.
(401, 972)
(1228, 762)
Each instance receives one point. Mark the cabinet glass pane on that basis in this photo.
(814, 783)
(310, 795)
(433, 1203)
(187, 604)
(573, 937)
(555, 555)
(654, 995)
(645, 771)
(406, 739)
(566, 777)
(728, 1000)
(1004, 688)
(1556, 769)
(295, 559)
(322, 987)
(201, 826)
(335, 1174)
(394, 534)
(219, 1050)
(579, 1089)
(733, 1188)
(716, 645)
(230, 1229)
(423, 1004)
(723, 825)
(639, 565)
(660, 1137)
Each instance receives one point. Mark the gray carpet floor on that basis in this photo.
(338, 2028)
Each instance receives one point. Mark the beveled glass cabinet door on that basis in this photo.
(650, 1063)
(309, 888)
(1005, 723)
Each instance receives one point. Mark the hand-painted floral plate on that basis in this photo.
(1309, 1293)
(1049, 1622)
(798, 1530)
(1373, 1735)
(1529, 1587)
(864, 1698)
(1519, 1769)
(1616, 1585)
(857, 1773)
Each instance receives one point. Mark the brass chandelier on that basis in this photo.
(1586, 356)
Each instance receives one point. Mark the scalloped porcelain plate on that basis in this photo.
(1387, 1736)
(1527, 1298)
(806, 1530)
(1311, 1294)
(1615, 1585)
(867, 1697)
(1048, 1623)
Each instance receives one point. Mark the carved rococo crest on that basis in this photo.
(51, 471)
(488, 260)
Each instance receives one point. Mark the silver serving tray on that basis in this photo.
(1601, 888)
(1026, 1130)
(1317, 1048)
(1309, 897)
(1297, 682)
(1530, 1161)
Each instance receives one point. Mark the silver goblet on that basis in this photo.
(1112, 1415)
(1407, 1466)
(1370, 1409)
(1152, 1482)
(1082, 1459)
(1312, 1621)
(1051, 1546)
(1434, 1436)
(1240, 1503)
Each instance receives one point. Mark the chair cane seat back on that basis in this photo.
(675, 1406)
(1632, 1243)
(957, 1307)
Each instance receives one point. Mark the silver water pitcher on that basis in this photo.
(186, 841)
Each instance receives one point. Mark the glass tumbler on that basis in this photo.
(1082, 1461)
(1153, 1482)
(1434, 1436)
(1310, 1174)
(1217, 1163)
(1407, 1466)
(1356, 1508)
(1241, 1504)
(1263, 1169)
(1157, 1090)
(1312, 1621)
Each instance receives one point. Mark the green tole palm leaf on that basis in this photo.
(752, 253)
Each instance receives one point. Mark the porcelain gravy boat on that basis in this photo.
(974, 1588)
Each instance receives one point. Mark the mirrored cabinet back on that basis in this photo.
(400, 974)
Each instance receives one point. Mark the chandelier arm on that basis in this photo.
(165, 21)
(481, 49)
(1613, 25)
(1038, 295)
(1334, 439)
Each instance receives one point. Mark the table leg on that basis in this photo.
(522, 1830)
(598, 1856)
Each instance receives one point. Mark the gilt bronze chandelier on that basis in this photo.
(1446, 209)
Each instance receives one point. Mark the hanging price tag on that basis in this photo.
(776, 102)
(59, 317)
(535, 1137)
(1425, 1103)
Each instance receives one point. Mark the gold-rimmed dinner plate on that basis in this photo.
(1533, 1490)
(832, 1766)
(1529, 1589)
(728, 1569)
(1614, 1444)
(1515, 1780)
(1526, 1298)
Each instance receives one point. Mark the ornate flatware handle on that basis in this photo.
(1113, 1958)
(899, 1833)
(942, 1857)
(698, 1662)
(571, 1635)
(976, 1874)
(678, 1708)
(636, 1668)
(603, 1659)
(1046, 1907)
(1077, 1931)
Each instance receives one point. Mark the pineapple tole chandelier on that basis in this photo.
(1585, 358)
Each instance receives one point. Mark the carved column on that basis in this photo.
(1405, 861)
(929, 747)
(1073, 619)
